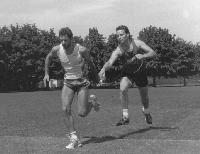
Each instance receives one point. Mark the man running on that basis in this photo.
(72, 57)
(129, 48)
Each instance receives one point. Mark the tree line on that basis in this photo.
(23, 50)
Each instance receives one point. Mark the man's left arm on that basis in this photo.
(84, 53)
(149, 52)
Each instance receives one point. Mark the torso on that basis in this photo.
(72, 62)
(128, 54)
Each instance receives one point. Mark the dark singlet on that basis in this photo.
(129, 65)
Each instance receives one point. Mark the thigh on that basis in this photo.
(125, 83)
(67, 96)
(83, 99)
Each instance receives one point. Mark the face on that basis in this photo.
(65, 41)
(122, 36)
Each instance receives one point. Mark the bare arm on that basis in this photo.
(110, 62)
(149, 53)
(84, 53)
(52, 53)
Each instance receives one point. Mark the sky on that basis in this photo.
(180, 17)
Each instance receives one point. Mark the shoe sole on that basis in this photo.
(147, 120)
(123, 124)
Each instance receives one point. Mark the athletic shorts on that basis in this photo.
(77, 84)
(140, 79)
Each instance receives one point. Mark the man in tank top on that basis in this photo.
(128, 49)
(72, 57)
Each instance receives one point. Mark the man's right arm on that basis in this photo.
(110, 62)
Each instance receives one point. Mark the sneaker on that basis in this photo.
(122, 122)
(95, 103)
(74, 143)
(148, 118)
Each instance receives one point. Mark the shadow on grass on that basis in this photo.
(94, 139)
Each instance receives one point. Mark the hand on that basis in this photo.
(138, 56)
(102, 75)
(46, 78)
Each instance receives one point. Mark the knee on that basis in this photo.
(66, 109)
(123, 91)
(82, 113)
(145, 99)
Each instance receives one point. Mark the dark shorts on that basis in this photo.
(77, 84)
(140, 79)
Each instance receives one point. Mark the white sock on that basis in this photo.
(146, 111)
(73, 135)
(125, 113)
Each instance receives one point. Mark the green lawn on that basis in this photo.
(32, 122)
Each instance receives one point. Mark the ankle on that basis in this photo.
(146, 110)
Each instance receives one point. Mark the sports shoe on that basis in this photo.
(74, 143)
(122, 122)
(95, 103)
(148, 118)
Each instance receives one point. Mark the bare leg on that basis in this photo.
(67, 98)
(144, 96)
(84, 107)
(145, 101)
(124, 85)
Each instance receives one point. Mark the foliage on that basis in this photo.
(95, 43)
(23, 50)
(162, 42)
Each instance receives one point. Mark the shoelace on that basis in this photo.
(71, 139)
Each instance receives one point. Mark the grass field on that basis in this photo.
(32, 123)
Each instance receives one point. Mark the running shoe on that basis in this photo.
(148, 118)
(95, 103)
(74, 143)
(122, 122)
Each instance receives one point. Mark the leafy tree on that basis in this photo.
(162, 42)
(196, 48)
(184, 60)
(95, 42)
(114, 73)
(26, 48)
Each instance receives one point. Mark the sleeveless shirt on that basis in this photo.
(126, 58)
(72, 64)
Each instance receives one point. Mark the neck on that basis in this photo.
(69, 49)
(126, 45)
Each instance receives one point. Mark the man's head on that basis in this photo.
(123, 33)
(65, 36)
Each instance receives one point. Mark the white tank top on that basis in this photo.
(72, 63)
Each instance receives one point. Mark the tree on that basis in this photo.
(197, 57)
(162, 42)
(185, 59)
(26, 48)
(114, 73)
(95, 42)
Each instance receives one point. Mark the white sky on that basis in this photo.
(181, 17)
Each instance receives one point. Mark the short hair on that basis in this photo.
(66, 31)
(125, 28)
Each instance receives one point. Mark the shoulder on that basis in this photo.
(139, 42)
(82, 49)
(54, 50)
(117, 51)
